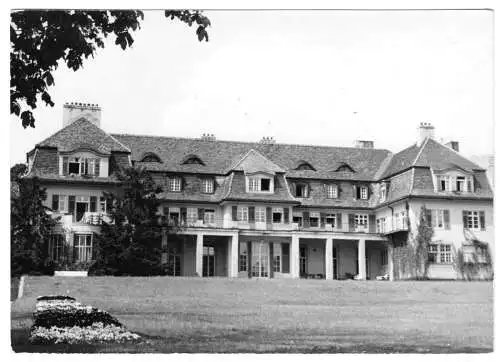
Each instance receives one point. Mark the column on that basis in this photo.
(164, 244)
(199, 255)
(362, 259)
(233, 256)
(271, 258)
(390, 261)
(329, 258)
(295, 257)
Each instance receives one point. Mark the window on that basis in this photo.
(383, 192)
(460, 184)
(207, 186)
(472, 220)
(277, 215)
(305, 166)
(209, 217)
(437, 217)
(243, 258)
(443, 183)
(259, 184)
(192, 160)
(260, 214)
(174, 216)
(82, 165)
(243, 213)
(361, 220)
(314, 219)
(361, 192)
(151, 157)
(174, 184)
(83, 248)
(301, 190)
(57, 247)
(331, 219)
(331, 191)
(297, 219)
(439, 253)
(192, 215)
(381, 225)
(277, 257)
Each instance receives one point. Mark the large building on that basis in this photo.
(266, 209)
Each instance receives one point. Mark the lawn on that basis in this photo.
(268, 316)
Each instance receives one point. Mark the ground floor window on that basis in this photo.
(277, 257)
(439, 253)
(83, 248)
(173, 259)
(57, 247)
(243, 258)
(208, 261)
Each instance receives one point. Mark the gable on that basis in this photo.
(255, 162)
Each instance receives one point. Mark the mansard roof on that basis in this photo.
(83, 134)
(221, 156)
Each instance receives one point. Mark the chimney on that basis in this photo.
(74, 111)
(425, 130)
(268, 140)
(453, 145)
(208, 137)
(363, 144)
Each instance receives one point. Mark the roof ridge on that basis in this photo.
(420, 151)
(462, 156)
(114, 139)
(230, 186)
(246, 142)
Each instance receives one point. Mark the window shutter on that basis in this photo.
(71, 204)
(183, 215)
(271, 259)
(339, 190)
(354, 194)
(482, 220)
(97, 167)
(235, 213)
(201, 214)
(446, 215)
(322, 219)
(86, 167)
(307, 220)
(55, 202)
(307, 190)
(93, 203)
(371, 223)
(339, 220)
(251, 213)
(65, 165)
(352, 225)
(269, 214)
(428, 217)
(464, 218)
(286, 215)
(293, 190)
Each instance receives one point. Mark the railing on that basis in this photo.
(394, 224)
(336, 227)
(95, 218)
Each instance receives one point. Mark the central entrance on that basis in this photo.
(260, 259)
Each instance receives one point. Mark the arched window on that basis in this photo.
(150, 157)
(344, 167)
(304, 166)
(192, 160)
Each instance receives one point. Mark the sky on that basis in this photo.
(306, 77)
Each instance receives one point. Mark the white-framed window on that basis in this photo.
(81, 165)
(243, 258)
(383, 192)
(174, 184)
(361, 220)
(364, 192)
(63, 203)
(207, 186)
(260, 214)
(381, 225)
(331, 219)
(439, 253)
(314, 219)
(192, 214)
(259, 184)
(277, 215)
(473, 220)
(301, 190)
(242, 213)
(443, 183)
(437, 217)
(332, 191)
(209, 217)
(277, 257)
(83, 248)
(460, 184)
(57, 247)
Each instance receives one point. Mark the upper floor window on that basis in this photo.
(440, 219)
(331, 191)
(260, 214)
(361, 192)
(207, 186)
(277, 215)
(209, 216)
(242, 213)
(381, 225)
(175, 184)
(259, 184)
(444, 183)
(383, 192)
(314, 219)
(331, 219)
(361, 220)
(301, 190)
(474, 220)
(80, 166)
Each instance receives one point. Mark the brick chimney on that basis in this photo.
(74, 111)
(268, 140)
(363, 144)
(453, 145)
(208, 137)
(425, 130)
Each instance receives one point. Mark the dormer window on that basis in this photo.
(344, 167)
(304, 166)
(193, 160)
(260, 183)
(454, 181)
(444, 183)
(207, 186)
(151, 157)
(383, 192)
(301, 190)
(80, 165)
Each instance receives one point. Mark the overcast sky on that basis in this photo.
(308, 77)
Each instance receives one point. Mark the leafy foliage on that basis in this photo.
(40, 39)
(131, 243)
(478, 264)
(423, 238)
(31, 227)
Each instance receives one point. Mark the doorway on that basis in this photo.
(303, 261)
(260, 259)
(208, 261)
(81, 209)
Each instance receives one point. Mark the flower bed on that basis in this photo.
(62, 319)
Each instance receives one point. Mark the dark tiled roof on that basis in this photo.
(402, 160)
(220, 156)
(191, 189)
(83, 134)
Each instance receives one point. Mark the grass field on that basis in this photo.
(268, 316)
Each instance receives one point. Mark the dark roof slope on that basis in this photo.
(220, 156)
(402, 160)
(83, 134)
